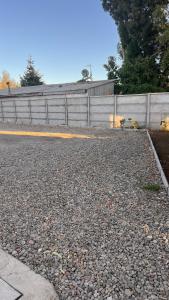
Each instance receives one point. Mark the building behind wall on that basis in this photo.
(92, 88)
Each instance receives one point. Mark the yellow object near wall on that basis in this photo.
(165, 124)
(128, 123)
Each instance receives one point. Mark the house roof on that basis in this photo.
(56, 88)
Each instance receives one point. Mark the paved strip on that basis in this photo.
(19, 276)
(46, 134)
(7, 292)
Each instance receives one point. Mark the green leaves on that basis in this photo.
(111, 68)
(143, 26)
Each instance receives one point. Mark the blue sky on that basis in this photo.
(63, 36)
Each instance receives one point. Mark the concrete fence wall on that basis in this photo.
(83, 110)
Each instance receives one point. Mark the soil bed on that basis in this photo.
(161, 143)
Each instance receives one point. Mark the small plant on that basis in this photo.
(134, 124)
(152, 187)
(129, 123)
(122, 122)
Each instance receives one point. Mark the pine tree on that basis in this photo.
(31, 76)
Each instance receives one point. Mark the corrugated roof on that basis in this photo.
(56, 88)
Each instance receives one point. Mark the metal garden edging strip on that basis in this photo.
(163, 177)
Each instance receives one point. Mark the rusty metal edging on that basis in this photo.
(163, 177)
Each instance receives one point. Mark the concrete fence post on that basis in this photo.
(66, 112)
(2, 111)
(47, 115)
(14, 104)
(148, 110)
(115, 111)
(88, 111)
(30, 113)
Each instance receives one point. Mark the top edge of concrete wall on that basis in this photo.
(74, 95)
(43, 95)
(129, 95)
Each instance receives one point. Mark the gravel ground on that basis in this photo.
(76, 212)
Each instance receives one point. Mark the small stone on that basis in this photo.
(167, 224)
(128, 292)
(95, 294)
(167, 248)
(31, 242)
(164, 229)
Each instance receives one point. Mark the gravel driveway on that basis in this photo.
(76, 212)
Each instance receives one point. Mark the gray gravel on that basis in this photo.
(76, 212)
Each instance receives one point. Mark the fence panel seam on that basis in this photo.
(88, 111)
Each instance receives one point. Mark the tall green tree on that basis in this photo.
(161, 22)
(31, 76)
(139, 43)
(135, 22)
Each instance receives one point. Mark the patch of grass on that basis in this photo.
(151, 187)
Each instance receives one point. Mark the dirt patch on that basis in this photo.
(161, 143)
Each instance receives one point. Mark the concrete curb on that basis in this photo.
(163, 177)
(28, 284)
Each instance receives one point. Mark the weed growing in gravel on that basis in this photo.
(152, 187)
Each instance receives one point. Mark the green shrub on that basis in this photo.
(152, 187)
(140, 89)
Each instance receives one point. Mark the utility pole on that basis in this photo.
(9, 89)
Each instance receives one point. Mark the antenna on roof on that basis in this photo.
(90, 72)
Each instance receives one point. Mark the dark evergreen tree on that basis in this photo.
(31, 76)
